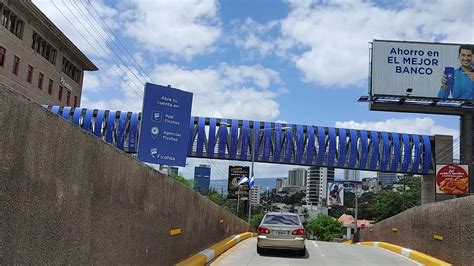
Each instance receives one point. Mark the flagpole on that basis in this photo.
(238, 200)
(251, 170)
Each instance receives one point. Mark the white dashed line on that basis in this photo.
(314, 243)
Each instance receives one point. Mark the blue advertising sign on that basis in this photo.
(164, 131)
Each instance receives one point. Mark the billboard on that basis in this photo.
(164, 130)
(335, 195)
(416, 69)
(452, 179)
(235, 173)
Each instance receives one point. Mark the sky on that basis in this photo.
(295, 61)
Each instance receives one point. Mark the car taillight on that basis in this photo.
(298, 232)
(263, 230)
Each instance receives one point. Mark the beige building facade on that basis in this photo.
(37, 59)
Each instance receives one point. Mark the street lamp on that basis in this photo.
(252, 154)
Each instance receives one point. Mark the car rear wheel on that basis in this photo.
(261, 251)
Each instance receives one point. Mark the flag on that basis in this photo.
(251, 182)
(242, 180)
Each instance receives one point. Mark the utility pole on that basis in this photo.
(251, 170)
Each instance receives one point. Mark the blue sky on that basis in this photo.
(298, 61)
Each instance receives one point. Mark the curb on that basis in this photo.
(408, 253)
(215, 250)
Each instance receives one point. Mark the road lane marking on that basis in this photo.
(314, 243)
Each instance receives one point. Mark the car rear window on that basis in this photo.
(281, 219)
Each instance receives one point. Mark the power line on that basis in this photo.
(105, 40)
(116, 37)
(105, 50)
(80, 33)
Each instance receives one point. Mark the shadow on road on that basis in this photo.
(285, 254)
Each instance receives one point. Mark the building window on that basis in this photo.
(12, 22)
(42, 47)
(71, 70)
(3, 54)
(16, 65)
(60, 93)
(68, 97)
(29, 78)
(75, 101)
(40, 80)
(50, 87)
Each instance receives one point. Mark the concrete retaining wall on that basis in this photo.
(444, 230)
(67, 197)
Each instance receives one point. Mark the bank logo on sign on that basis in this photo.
(156, 116)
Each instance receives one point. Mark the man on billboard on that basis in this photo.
(459, 83)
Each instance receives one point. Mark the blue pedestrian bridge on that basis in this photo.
(306, 145)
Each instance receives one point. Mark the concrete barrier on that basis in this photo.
(412, 254)
(444, 230)
(67, 197)
(215, 250)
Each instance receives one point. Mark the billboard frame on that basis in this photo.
(379, 102)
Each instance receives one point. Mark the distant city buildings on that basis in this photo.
(296, 181)
(316, 184)
(278, 184)
(255, 195)
(387, 179)
(297, 177)
(370, 184)
(202, 178)
(351, 175)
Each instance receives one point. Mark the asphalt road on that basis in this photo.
(317, 253)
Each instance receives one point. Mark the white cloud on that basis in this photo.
(220, 168)
(424, 126)
(229, 92)
(254, 37)
(183, 28)
(79, 22)
(328, 40)
(225, 91)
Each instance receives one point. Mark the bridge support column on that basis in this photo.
(443, 154)
(428, 189)
(466, 142)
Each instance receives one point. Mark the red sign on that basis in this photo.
(362, 226)
(452, 179)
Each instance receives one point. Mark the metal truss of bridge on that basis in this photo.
(306, 145)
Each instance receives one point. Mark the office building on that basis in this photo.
(37, 59)
(255, 195)
(202, 178)
(297, 177)
(316, 185)
(387, 179)
(351, 175)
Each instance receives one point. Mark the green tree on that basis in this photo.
(325, 228)
(349, 199)
(182, 180)
(305, 213)
(215, 196)
(256, 219)
(405, 196)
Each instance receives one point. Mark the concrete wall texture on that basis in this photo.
(67, 197)
(417, 227)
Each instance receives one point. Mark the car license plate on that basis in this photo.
(281, 233)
